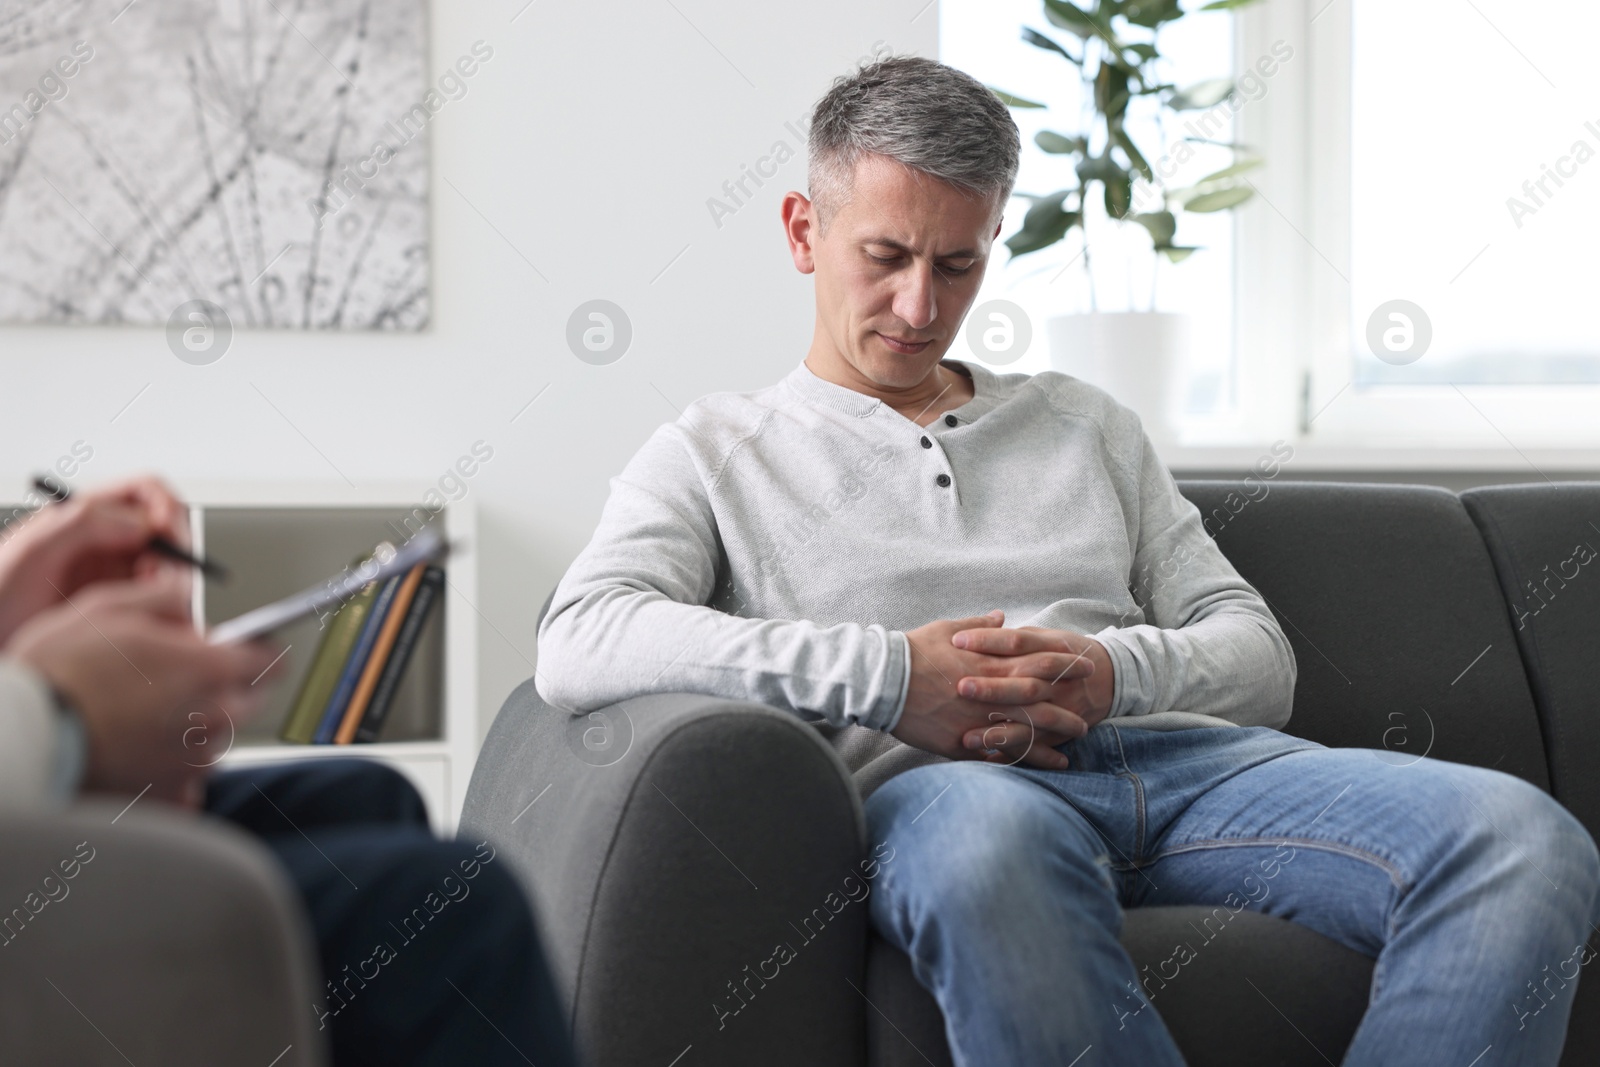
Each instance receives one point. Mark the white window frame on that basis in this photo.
(1292, 311)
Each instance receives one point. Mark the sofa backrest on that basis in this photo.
(1544, 539)
(1401, 636)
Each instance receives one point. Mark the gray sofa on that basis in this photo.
(672, 841)
(150, 938)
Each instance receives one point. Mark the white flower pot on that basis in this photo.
(1139, 357)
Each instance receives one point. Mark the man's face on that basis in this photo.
(901, 262)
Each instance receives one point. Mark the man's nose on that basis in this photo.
(914, 300)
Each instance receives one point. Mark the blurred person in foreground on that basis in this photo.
(102, 678)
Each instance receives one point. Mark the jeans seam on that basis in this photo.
(1138, 795)
(1394, 873)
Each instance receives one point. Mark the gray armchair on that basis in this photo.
(672, 842)
(174, 941)
(667, 878)
(667, 856)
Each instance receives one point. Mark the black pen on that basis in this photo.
(159, 545)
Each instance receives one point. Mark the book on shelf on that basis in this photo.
(338, 638)
(350, 676)
(428, 592)
(361, 660)
(350, 718)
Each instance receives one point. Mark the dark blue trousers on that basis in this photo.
(428, 948)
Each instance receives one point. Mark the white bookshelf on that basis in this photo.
(278, 539)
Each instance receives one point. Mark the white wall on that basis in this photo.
(592, 140)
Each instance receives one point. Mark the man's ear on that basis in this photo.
(799, 226)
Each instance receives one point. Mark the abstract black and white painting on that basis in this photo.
(267, 156)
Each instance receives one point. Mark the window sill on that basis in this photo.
(1538, 430)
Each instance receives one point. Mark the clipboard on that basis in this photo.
(385, 561)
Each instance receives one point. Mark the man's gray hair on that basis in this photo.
(921, 113)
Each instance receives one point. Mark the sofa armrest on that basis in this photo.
(153, 937)
(691, 860)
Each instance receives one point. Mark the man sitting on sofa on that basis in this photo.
(836, 545)
(100, 664)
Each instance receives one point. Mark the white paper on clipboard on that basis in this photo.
(426, 545)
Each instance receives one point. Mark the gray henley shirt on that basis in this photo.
(774, 546)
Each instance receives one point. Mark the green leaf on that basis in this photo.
(1219, 200)
(1143, 51)
(1151, 13)
(1039, 40)
(1161, 224)
(1021, 243)
(1083, 24)
(1060, 144)
(1204, 94)
(1070, 17)
(1099, 169)
(1045, 223)
(1179, 253)
(1120, 138)
(1227, 5)
(1011, 100)
(1111, 91)
(1119, 196)
(1229, 172)
(1045, 209)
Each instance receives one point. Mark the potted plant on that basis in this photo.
(1136, 355)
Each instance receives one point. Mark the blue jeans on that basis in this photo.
(1006, 885)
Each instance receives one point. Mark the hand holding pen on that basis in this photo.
(98, 535)
(160, 545)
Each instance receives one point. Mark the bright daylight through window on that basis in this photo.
(1475, 164)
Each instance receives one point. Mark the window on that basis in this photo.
(1415, 125)
(1431, 174)
(1119, 271)
(1474, 167)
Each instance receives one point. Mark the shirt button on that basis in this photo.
(926, 443)
(950, 420)
(942, 481)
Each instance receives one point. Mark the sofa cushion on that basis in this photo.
(1400, 634)
(1545, 542)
